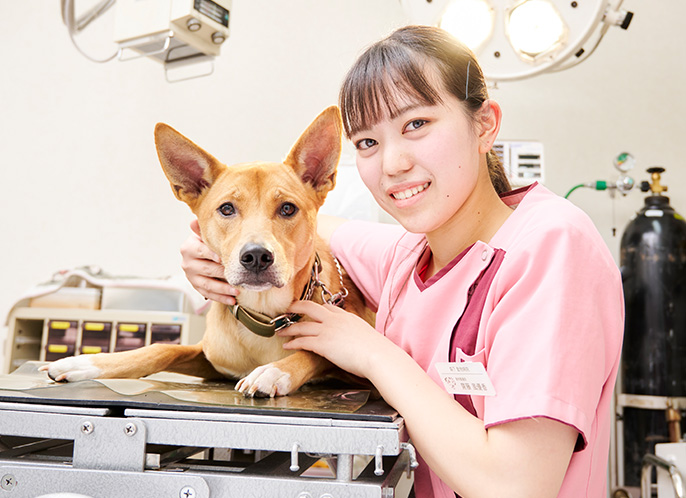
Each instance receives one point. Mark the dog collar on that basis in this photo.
(267, 326)
(261, 324)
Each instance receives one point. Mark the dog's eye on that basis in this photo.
(227, 209)
(288, 209)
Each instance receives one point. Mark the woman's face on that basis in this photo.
(421, 164)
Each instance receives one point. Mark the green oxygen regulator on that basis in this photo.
(624, 162)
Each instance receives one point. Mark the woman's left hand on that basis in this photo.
(341, 337)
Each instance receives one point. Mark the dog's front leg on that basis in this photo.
(133, 364)
(284, 376)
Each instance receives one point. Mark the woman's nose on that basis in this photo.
(396, 160)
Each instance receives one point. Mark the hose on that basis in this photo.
(599, 185)
(574, 188)
(74, 25)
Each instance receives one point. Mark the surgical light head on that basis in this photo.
(516, 39)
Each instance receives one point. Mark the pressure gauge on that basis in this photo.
(624, 162)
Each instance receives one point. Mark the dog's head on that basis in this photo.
(259, 217)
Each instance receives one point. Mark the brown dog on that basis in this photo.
(260, 218)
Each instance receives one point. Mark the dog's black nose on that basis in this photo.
(256, 258)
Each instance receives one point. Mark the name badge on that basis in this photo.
(465, 378)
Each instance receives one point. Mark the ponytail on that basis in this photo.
(497, 173)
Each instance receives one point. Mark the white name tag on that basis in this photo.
(465, 378)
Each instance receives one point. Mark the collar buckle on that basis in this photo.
(284, 321)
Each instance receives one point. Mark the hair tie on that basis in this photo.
(466, 88)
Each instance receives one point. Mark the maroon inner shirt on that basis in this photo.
(467, 327)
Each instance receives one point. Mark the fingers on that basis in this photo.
(301, 329)
(197, 268)
(301, 343)
(195, 226)
(319, 314)
(204, 270)
(306, 335)
(313, 310)
(303, 335)
(203, 267)
(208, 279)
(194, 248)
(215, 290)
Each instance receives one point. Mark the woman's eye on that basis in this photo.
(227, 209)
(288, 209)
(415, 124)
(365, 144)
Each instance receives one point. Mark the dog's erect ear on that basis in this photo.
(189, 169)
(316, 154)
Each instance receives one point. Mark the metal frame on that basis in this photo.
(118, 454)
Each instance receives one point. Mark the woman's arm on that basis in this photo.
(524, 458)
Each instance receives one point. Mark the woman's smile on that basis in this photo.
(408, 192)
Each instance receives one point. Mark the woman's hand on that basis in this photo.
(339, 336)
(204, 270)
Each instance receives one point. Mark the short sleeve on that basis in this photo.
(554, 336)
(365, 250)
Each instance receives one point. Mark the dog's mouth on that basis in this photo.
(256, 287)
(257, 282)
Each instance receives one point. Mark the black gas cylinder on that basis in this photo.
(653, 265)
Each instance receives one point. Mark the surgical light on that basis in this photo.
(517, 39)
(535, 27)
(473, 19)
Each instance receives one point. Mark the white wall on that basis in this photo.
(81, 182)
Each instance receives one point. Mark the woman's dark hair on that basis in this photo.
(392, 73)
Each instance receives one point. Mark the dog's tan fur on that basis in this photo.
(261, 194)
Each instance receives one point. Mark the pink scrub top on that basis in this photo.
(540, 306)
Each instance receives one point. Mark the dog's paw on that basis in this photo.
(72, 369)
(267, 380)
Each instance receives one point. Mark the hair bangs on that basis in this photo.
(386, 79)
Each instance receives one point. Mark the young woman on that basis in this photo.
(518, 282)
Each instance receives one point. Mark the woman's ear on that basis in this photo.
(489, 118)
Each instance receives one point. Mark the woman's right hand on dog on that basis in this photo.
(204, 270)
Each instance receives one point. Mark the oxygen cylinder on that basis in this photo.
(653, 265)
